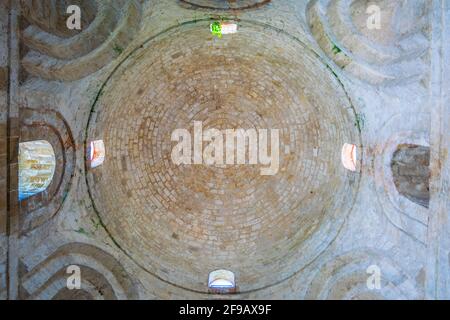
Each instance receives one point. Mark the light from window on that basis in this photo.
(221, 279)
(96, 153)
(225, 27)
(229, 27)
(349, 156)
(37, 164)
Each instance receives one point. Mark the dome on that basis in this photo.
(179, 222)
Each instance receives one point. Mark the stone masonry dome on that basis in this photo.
(177, 221)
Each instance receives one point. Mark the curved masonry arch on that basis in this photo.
(48, 125)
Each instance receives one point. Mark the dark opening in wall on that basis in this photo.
(411, 172)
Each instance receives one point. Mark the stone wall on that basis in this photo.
(4, 75)
(139, 227)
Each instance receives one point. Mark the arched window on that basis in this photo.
(348, 156)
(96, 153)
(37, 164)
(221, 281)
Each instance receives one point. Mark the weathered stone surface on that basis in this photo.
(139, 226)
(4, 80)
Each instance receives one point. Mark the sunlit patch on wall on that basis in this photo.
(349, 156)
(96, 153)
(37, 164)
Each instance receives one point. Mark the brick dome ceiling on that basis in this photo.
(180, 222)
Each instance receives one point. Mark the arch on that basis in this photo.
(50, 16)
(102, 275)
(346, 277)
(68, 56)
(48, 125)
(404, 214)
(37, 165)
(224, 5)
(379, 60)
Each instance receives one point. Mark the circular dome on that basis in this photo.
(179, 222)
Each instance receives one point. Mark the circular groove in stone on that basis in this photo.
(179, 223)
